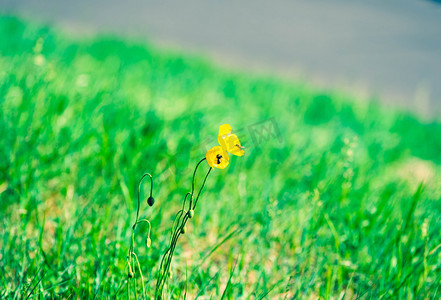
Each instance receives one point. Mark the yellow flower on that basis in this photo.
(217, 156)
(229, 141)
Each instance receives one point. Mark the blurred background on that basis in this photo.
(388, 50)
(336, 102)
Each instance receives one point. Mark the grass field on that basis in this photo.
(334, 198)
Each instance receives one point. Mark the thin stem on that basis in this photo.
(148, 222)
(128, 289)
(165, 256)
(139, 204)
(140, 272)
(172, 249)
(131, 254)
(134, 277)
(185, 199)
(163, 269)
(193, 180)
(176, 221)
(176, 232)
(203, 184)
(139, 192)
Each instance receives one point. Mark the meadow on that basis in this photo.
(335, 198)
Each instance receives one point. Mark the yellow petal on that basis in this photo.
(225, 129)
(217, 157)
(229, 141)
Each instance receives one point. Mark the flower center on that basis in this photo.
(218, 159)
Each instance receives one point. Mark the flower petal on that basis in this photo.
(217, 157)
(229, 141)
(225, 129)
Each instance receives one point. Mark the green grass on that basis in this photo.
(344, 203)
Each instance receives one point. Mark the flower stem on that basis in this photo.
(164, 268)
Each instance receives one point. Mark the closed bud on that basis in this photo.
(183, 229)
(130, 274)
(151, 201)
(148, 242)
(191, 213)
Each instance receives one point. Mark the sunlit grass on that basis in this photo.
(334, 198)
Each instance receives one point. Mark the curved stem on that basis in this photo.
(185, 199)
(193, 180)
(202, 187)
(167, 258)
(131, 254)
(148, 222)
(137, 210)
(139, 192)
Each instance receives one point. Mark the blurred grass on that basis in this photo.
(344, 203)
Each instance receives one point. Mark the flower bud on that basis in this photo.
(183, 229)
(148, 242)
(191, 213)
(151, 201)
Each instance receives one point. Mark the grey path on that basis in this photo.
(385, 48)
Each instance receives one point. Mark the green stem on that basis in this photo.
(203, 184)
(140, 273)
(132, 241)
(167, 258)
(193, 180)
